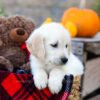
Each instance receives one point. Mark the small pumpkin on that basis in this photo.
(48, 20)
(71, 27)
(86, 20)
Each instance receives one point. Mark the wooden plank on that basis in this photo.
(86, 40)
(80, 46)
(78, 50)
(90, 44)
(91, 76)
(93, 47)
(95, 98)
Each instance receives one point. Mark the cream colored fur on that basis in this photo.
(47, 45)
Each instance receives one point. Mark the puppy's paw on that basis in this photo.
(55, 85)
(40, 79)
(55, 81)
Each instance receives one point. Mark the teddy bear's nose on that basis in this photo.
(20, 32)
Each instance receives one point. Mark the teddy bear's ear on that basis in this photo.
(18, 35)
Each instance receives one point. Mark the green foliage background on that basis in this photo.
(2, 12)
(96, 6)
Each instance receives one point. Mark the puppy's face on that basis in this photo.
(50, 43)
(57, 49)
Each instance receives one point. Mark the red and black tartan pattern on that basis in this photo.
(21, 87)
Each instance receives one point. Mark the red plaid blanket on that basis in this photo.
(21, 87)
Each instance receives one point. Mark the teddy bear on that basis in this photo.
(14, 31)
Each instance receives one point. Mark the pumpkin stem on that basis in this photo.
(82, 4)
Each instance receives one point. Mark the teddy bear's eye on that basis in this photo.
(55, 45)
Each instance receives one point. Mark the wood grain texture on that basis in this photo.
(91, 76)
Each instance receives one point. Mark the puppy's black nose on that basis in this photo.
(64, 60)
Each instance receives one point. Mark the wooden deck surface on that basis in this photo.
(92, 77)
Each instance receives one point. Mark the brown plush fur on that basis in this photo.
(10, 41)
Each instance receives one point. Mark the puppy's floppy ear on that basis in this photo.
(35, 45)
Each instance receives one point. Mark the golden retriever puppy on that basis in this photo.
(51, 56)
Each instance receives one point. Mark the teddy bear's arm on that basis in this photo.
(5, 64)
(26, 66)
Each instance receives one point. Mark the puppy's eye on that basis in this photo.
(66, 45)
(54, 45)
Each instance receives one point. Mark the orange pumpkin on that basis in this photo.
(86, 20)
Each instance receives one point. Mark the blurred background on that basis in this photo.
(39, 10)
